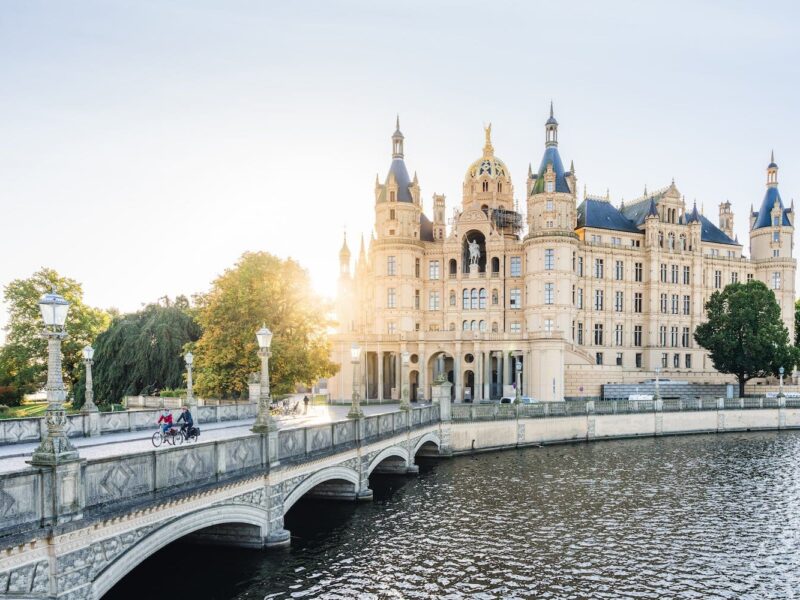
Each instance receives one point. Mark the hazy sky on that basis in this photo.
(145, 145)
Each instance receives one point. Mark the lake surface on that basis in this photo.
(711, 516)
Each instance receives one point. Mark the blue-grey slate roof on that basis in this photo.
(603, 215)
(551, 156)
(637, 213)
(764, 218)
(711, 233)
(398, 167)
(425, 228)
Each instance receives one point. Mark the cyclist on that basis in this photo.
(186, 417)
(165, 420)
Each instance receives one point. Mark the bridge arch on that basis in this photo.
(173, 531)
(428, 438)
(391, 452)
(309, 483)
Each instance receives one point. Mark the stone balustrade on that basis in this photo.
(16, 431)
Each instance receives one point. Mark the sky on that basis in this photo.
(145, 145)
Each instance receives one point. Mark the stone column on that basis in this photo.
(379, 354)
(477, 392)
(506, 370)
(398, 374)
(457, 374)
(487, 372)
(422, 368)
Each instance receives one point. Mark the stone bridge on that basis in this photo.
(75, 530)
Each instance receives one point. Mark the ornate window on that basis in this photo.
(474, 303)
(482, 300)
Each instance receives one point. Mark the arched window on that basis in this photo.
(494, 327)
(453, 266)
(452, 298)
(474, 326)
(482, 303)
(494, 296)
(499, 187)
(465, 299)
(495, 265)
(465, 326)
(474, 299)
(482, 326)
(485, 186)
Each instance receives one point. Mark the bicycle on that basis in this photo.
(189, 434)
(172, 436)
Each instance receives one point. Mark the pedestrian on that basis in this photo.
(305, 405)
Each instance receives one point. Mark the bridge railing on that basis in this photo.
(298, 444)
(542, 410)
(18, 431)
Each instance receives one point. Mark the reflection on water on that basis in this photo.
(680, 517)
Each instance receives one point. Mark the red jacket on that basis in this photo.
(167, 419)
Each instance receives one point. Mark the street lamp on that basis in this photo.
(88, 358)
(188, 358)
(264, 421)
(405, 356)
(780, 393)
(55, 447)
(518, 368)
(355, 406)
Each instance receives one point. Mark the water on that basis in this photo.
(681, 517)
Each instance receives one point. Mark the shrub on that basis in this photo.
(9, 395)
(173, 393)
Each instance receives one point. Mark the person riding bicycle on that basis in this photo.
(165, 420)
(186, 417)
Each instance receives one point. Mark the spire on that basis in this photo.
(551, 129)
(772, 156)
(488, 149)
(530, 171)
(345, 250)
(645, 190)
(344, 257)
(362, 254)
(397, 141)
(572, 167)
(652, 211)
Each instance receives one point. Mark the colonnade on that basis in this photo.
(493, 371)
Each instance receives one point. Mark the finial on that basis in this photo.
(530, 171)
(488, 150)
(645, 190)
(772, 156)
(622, 202)
(584, 191)
(415, 177)
(608, 194)
(397, 122)
(572, 167)
(702, 208)
(551, 108)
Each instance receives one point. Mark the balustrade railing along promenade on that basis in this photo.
(542, 410)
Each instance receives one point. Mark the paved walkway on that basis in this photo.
(13, 456)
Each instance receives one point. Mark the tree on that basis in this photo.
(261, 288)
(745, 334)
(142, 352)
(23, 358)
(797, 322)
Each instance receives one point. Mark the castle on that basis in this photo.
(568, 297)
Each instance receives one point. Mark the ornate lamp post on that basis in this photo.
(405, 403)
(780, 393)
(355, 406)
(518, 369)
(88, 358)
(264, 421)
(55, 447)
(190, 401)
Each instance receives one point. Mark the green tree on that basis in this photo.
(261, 288)
(745, 334)
(23, 358)
(142, 352)
(797, 322)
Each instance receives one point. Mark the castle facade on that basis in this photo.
(564, 298)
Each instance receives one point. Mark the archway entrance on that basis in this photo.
(469, 386)
(413, 384)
